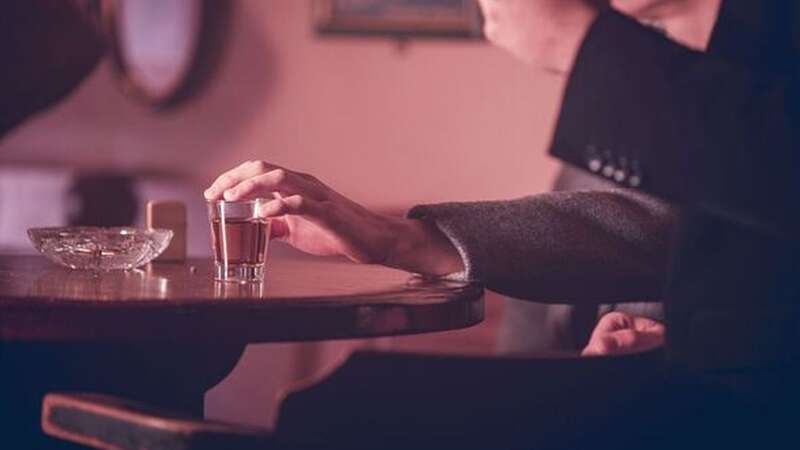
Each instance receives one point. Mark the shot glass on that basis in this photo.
(239, 238)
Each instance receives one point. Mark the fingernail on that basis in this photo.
(229, 194)
(208, 193)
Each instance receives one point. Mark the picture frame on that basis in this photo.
(399, 18)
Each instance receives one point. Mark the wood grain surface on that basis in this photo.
(301, 298)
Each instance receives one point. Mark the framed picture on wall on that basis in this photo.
(401, 18)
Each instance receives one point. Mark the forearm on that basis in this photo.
(586, 246)
(421, 248)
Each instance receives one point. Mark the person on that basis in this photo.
(46, 65)
(712, 133)
(49, 47)
(316, 219)
(533, 327)
(453, 238)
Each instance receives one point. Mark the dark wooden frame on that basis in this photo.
(205, 55)
(467, 25)
(102, 421)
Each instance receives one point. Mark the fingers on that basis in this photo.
(278, 180)
(633, 341)
(613, 321)
(618, 333)
(278, 228)
(648, 325)
(259, 179)
(293, 204)
(599, 346)
(623, 342)
(617, 320)
(235, 176)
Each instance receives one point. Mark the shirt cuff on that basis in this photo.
(426, 213)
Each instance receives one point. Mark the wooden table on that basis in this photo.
(167, 333)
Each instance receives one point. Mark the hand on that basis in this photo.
(549, 33)
(315, 219)
(618, 333)
(543, 33)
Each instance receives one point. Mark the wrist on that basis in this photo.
(420, 247)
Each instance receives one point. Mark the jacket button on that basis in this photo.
(593, 159)
(608, 170)
(635, 179)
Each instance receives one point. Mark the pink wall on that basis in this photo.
(434, 121)
(390, 127)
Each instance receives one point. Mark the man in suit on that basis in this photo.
(714, 132)
(710, 132)
(528, 327)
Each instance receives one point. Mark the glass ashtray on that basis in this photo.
(100, 248)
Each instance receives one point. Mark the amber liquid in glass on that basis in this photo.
(240, 241)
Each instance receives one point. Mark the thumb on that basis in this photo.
(278, 228)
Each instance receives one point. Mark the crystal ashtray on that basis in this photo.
(100, 248)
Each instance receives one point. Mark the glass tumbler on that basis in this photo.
(240, 239)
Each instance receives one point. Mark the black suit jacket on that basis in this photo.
(716, 132)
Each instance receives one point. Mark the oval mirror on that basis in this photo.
(164, 50)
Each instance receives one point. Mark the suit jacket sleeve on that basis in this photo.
(571, 247)
(687, 126)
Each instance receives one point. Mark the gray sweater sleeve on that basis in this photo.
(572, 247)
